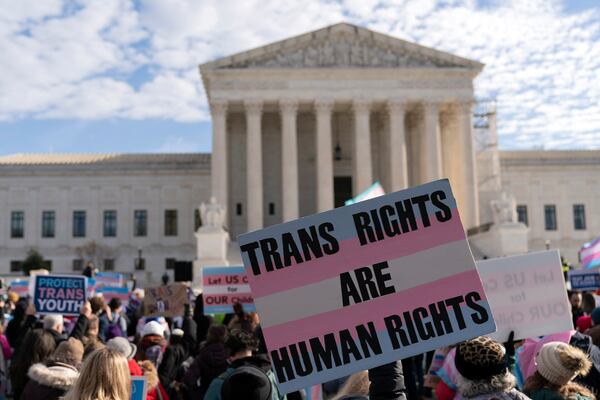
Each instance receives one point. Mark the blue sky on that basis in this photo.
(121, 76)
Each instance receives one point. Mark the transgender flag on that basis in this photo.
(375, 190)
(590, 254)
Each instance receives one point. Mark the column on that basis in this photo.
(361, 162)
(397, 145)
(219, 176)
(324, 109)
(431, 147)
(289, 159)
(254, 179)
(470, 208)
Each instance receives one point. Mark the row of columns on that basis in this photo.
(430, 154)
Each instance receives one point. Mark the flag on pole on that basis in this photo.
(375, 190)
(590, 254)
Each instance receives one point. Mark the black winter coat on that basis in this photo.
(210, 363)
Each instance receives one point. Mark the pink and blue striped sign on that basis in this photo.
(590, 254)
(364, 285)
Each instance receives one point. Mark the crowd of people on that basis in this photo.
(195, 356)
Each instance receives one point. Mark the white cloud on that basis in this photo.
(76, 60)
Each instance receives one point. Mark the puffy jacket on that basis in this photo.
(49, 382)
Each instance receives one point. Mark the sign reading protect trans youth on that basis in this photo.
(59, 294)
(363, 285)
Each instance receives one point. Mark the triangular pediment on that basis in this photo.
(343, 46)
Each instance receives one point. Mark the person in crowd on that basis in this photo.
(55, 325)
(483, 373)
(23, 321)
(594, 331)
(241, 320)
(210, 362)
(175, 354)
(584, 323)
(39, 345)
(134, 310)
(156, 390)
(129, 350)
(104, 376)
(244, 367)
(576, 306)
(52, 379)
(557, 365)
(89, 270)
(152, 345)
(356, 387)
(203, 322)
(588, 303)
(92, 346)
(6, 349)
(115, 323)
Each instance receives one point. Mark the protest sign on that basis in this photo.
(168, 301)
(121, 293)
(139, 387)
(363, 285)
(19, 286)
(109, 279)
(59, 294)
(222, 287)
(91, 287)
(584, 279)
(527, 294)
(375, 190)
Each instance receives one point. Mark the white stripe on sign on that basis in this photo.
(222, 289)
(406, 272)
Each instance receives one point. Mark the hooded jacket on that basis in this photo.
(49, 382)
(210, 363)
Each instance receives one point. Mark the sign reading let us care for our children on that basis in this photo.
(363, 285)
(527, 294)
(59, 294)
(222, 287)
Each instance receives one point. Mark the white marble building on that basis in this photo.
(299, 126)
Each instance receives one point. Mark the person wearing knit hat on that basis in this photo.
(152, 345)
(50, 381)
(483, 372)
(123, 346)
(557, 365)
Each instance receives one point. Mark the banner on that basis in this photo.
(589, 254)
(109, 279)
(586, 279)
(168, 301)
(375, 190)
(59, 294)
(20, 286)
(527, 294)
(139, 387)
(121, 293)
(222, 287)
(363, 285)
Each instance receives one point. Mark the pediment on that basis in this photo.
(343, 46)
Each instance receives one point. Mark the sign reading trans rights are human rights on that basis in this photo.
(363, 285)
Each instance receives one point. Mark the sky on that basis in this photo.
(121, 76)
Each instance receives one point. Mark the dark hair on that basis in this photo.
(97, 304)
(588, 302)
(114, 303)
(239, 341)
(216, 334)
(37, 346)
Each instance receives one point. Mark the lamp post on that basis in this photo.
(139, 259)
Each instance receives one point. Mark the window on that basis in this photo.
(550, 217)
(197, 220)
(140, 264)
(17, 224)
(170, 222)
(110, 223)
(579, 217)
(78, 264)
(169, 263)
(79, 224)
(140, 223)
(15, 266)
(522, 214)
(238, 209)
(48, 224)
(109, 264)
(271, 208)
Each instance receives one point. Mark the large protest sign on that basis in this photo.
(139, 387)
(222, 287)
(364, 285)
(168, 301)
(59, 294)
(584, 279)
(527, 294)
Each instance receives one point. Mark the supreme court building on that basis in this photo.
(299, 126)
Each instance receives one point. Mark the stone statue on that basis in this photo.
(504, 210)
(212, 214)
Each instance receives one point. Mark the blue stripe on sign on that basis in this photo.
(227, 309)
(208, 271)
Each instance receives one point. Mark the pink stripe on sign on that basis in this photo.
(352, 255)
(590, 258)
(374, 310)
(224, 280)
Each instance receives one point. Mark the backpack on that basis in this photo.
(113, 329)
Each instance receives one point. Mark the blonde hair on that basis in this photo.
(356, 385)
(104, 376)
